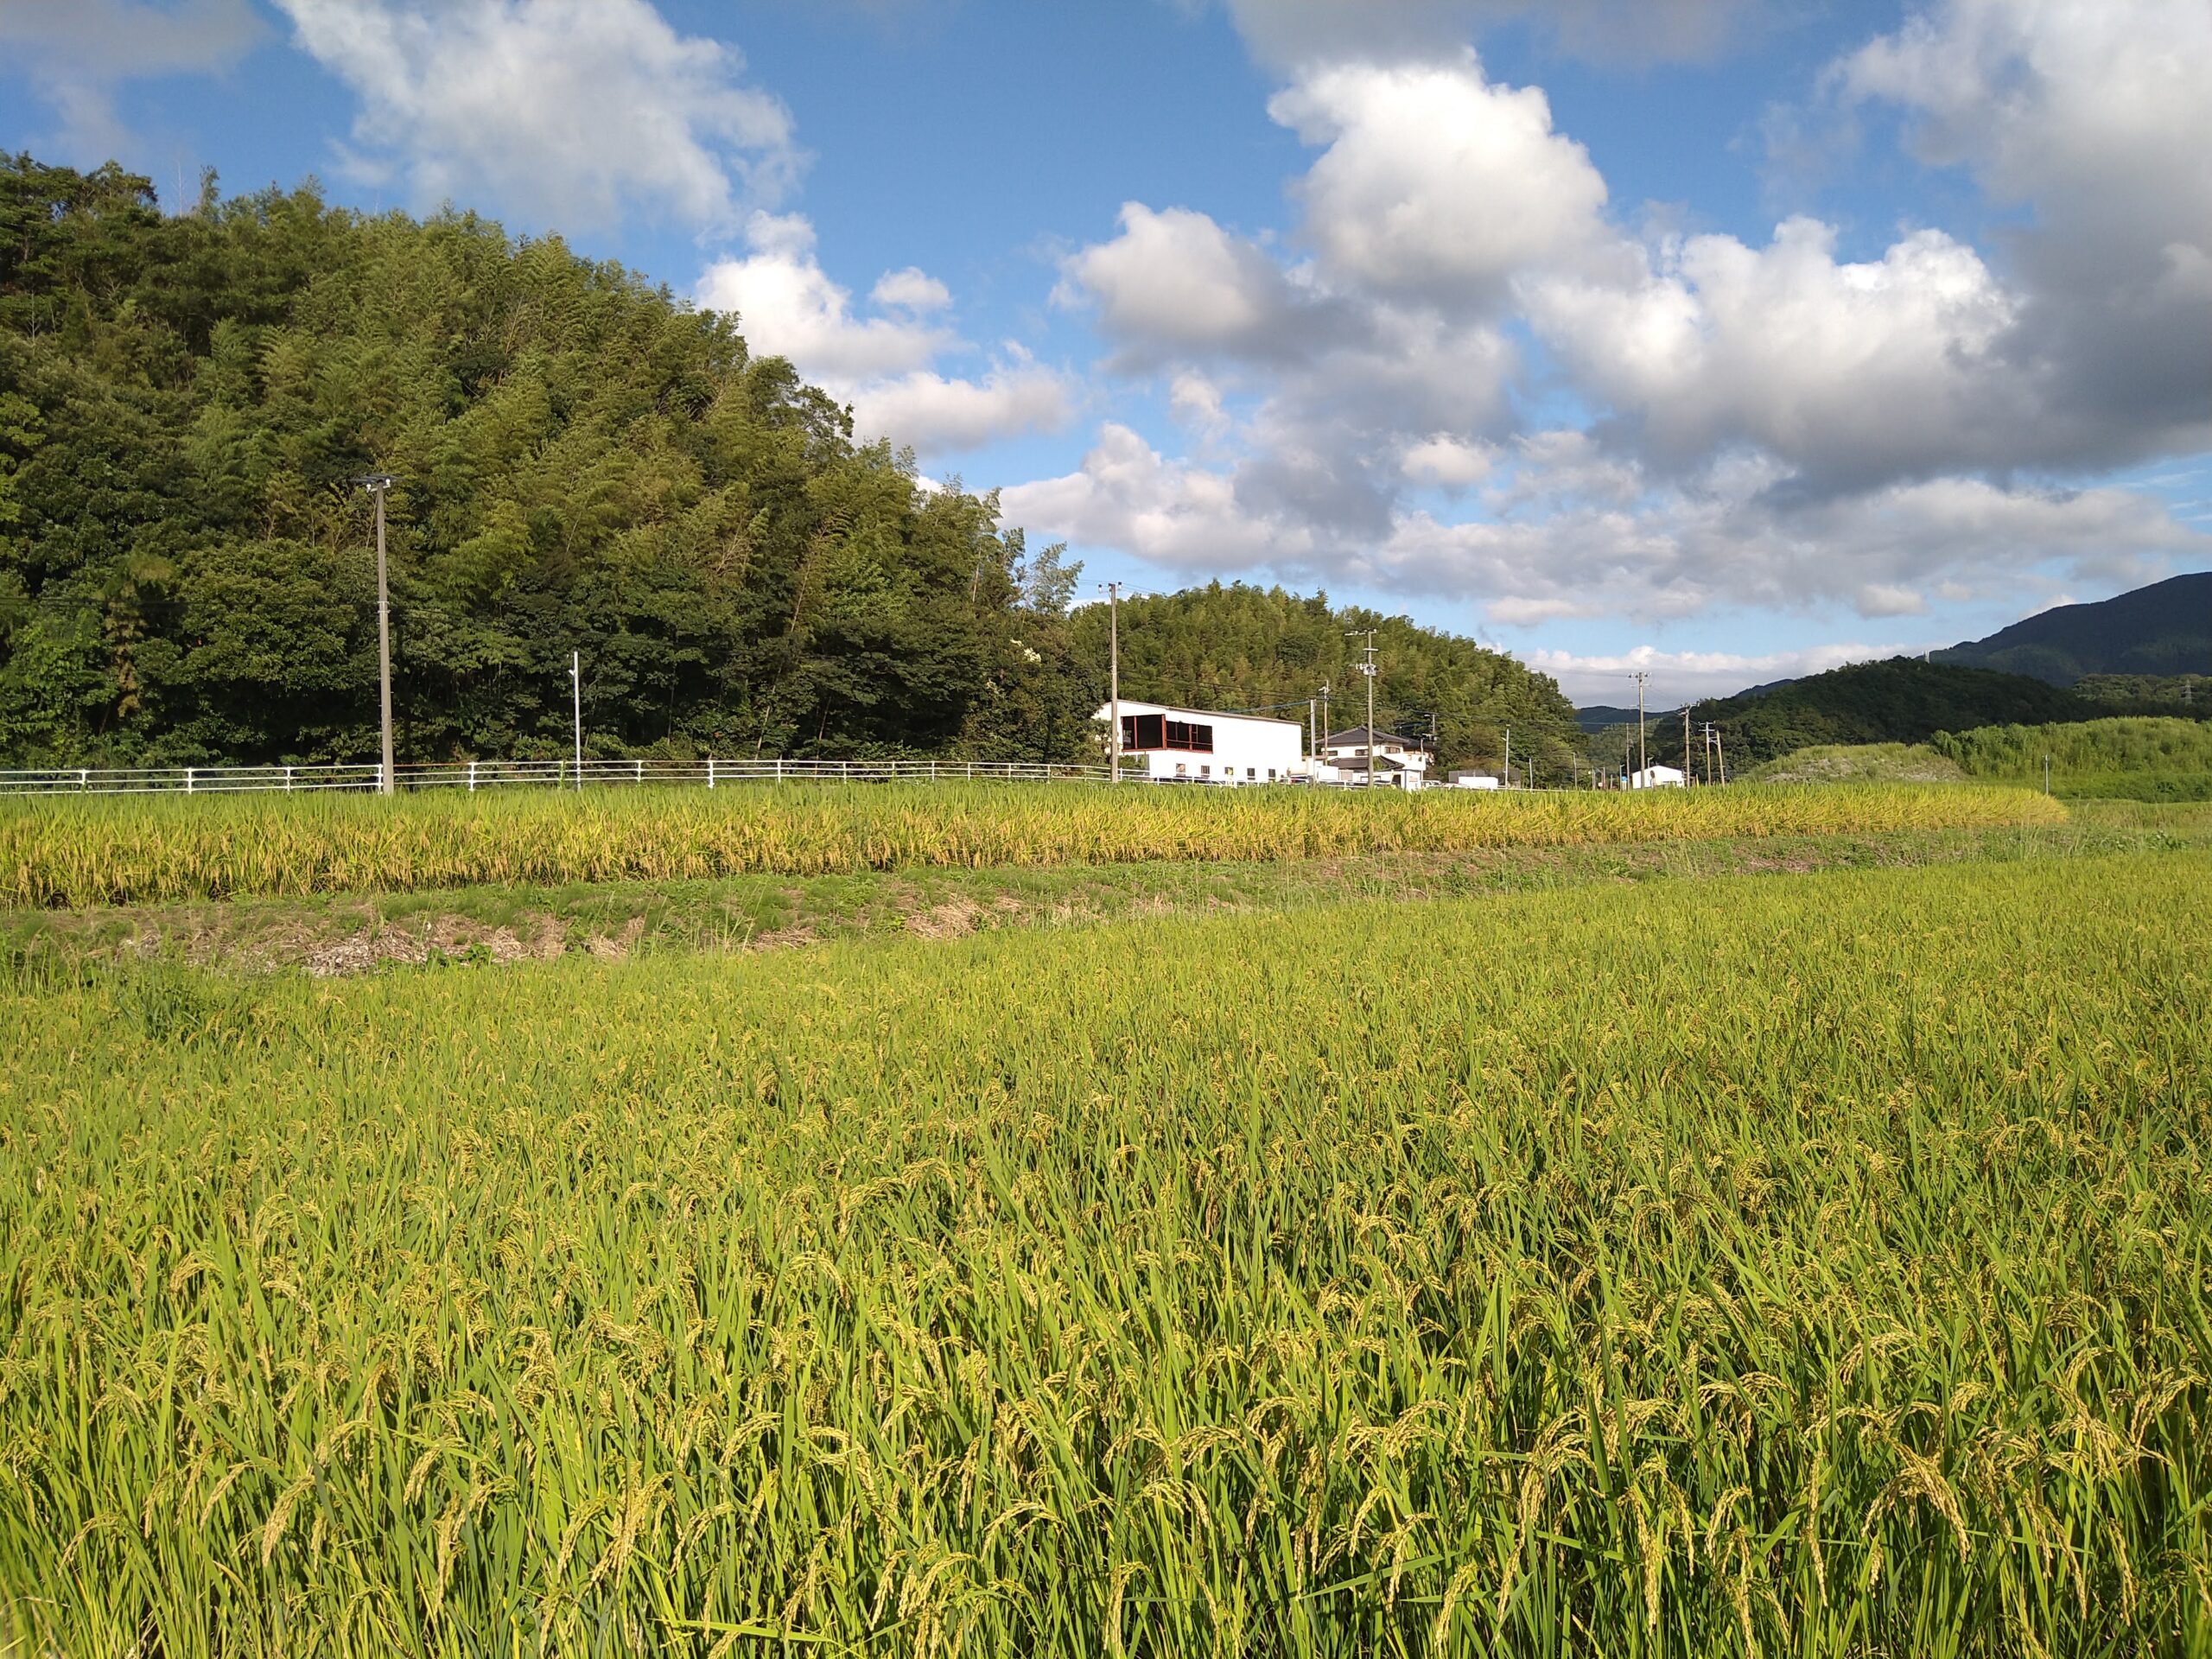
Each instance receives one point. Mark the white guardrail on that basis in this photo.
(543, 774)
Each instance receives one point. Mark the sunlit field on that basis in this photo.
(1811, 1265)
(70, 852)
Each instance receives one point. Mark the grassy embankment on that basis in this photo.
(2128, 759)
(1819, 1264)
(62, 852)
(2150, 759)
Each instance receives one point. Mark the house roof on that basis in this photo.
(1358, 737)
(1383, 762)
(1136, 705)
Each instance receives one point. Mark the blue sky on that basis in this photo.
(1724, 338)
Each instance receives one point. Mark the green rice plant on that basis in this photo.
(1815, 1266)
(73, 853)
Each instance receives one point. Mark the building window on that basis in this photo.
(1251, 773)
(1271, 774)
(1181, 769)
(1141, 732)
(1205, 771)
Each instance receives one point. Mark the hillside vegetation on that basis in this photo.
(1245, 648)
(1901, 701)
(583, 463)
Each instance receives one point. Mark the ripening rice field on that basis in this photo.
(57, 851)
(1813, 1266)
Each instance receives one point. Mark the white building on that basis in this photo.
(1399, 762)
(1468, 780)
(1199, 746)
(1656, 778)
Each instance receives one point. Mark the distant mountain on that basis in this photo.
(2163, 629)
(1902, 701)
(1599, 716)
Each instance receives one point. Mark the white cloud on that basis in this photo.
(1678, 551)
(1679, 677)
(1889, 599)
(933, 413)
(787, 305)
(911, 289)
(1182, 517)
(1196, 402)
(79, 52)
(884, 366)
(113, 39)
(1851, 372)
(1575, 533)
(1772, 425)
(2096, 113)
(1292, 33)
(1435, 183)
(1174, 281)
(567, 112)
(1450, 462)
(2095, 118)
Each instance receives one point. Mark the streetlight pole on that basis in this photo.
(375, 484)
(1114, 674)
(577, 692)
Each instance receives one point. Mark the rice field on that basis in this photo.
(75, 852)
(1816, 1265)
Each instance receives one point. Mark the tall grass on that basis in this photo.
(1814, 1267)
(75, 852)
(2135, 758)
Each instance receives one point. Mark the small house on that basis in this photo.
(1395, 762)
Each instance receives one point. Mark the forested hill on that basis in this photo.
(1240, 647)
(1902, 701)
(583, 463)
(2163, 630)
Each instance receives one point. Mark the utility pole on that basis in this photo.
(1686, 743)
(1367, 667)
(576, 690)
(1643, 755)
(1114, 673)
(1325, 733)
(1506, 782)
(1313, 744)
(375, 484)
